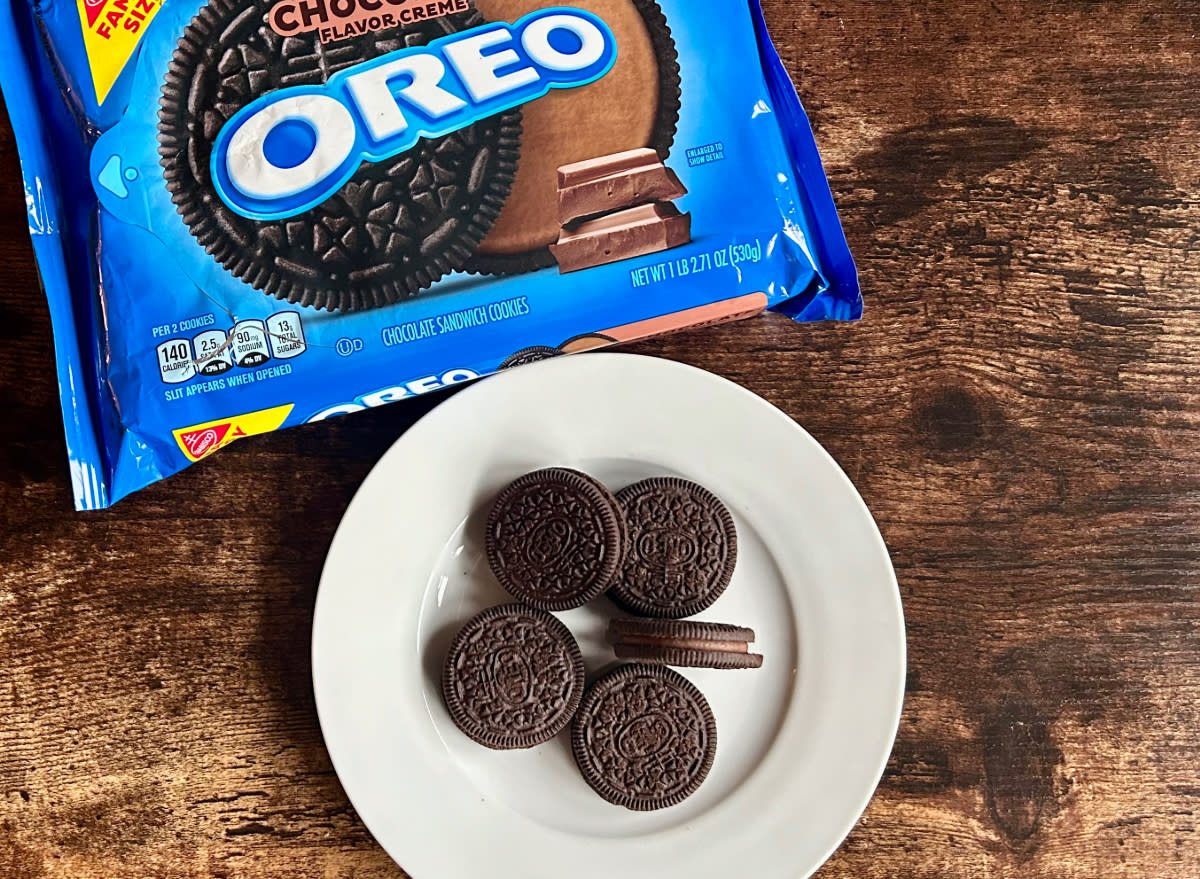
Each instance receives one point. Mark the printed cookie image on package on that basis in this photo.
(393, 229)
(635, 105)
(253, 214)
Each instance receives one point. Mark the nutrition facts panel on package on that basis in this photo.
(215, 352)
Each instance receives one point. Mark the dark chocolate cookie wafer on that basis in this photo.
(644, 737)
(681, 552)
(680, 657)
(635, 105)
(681, 633)
(555, 539)
(513, 678)
(394, 229)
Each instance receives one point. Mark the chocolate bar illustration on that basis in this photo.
(618, 207)
(612, 183)
(614, 237)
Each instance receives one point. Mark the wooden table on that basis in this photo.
(1020, 181)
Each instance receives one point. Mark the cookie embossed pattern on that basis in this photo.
(554, 539)
(644, 738)
(682, 549)
(513, 678)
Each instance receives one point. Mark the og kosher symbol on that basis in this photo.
(291, 149)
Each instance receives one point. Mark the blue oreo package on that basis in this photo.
(253, 214)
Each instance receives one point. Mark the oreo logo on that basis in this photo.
(667, 548)
(646, 736)
(513, 677)
(290, 150)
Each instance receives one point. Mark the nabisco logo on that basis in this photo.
(94, 8)
(201, 442)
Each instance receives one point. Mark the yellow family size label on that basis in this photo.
(112, 30)
(201, 440)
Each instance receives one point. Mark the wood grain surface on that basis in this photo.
(1020, 182)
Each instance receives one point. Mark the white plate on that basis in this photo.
(802, 742)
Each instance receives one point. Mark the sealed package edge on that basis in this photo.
(253, 214)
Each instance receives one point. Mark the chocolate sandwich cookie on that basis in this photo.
(555, 539)
(392, 230)
(684, 643)
(636, 105)
(513, 678)
(525, 356)
(644, 737)
(682, 549)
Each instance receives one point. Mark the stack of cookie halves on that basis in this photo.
(643, 736)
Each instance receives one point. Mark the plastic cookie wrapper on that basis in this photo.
(254, 214)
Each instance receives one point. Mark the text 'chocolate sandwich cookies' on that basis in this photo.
(513, 678)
